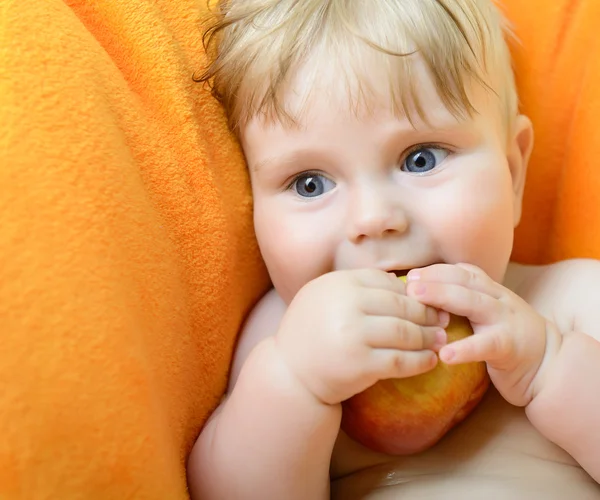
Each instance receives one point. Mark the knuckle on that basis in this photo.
(472, 279)
(403, 365)
(397, 362)
(418, 337)
(431, 315)
(478, 300)
(400, 306)
(429, 337)
(390, 364)
(472, 274)
(503, 345)
(470, 267)
(400, 331)
(354, 297)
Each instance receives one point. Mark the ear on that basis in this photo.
(520, 144)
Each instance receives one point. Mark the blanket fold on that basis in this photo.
(127, 259)
(558, 73)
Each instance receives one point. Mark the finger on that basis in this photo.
(377, 302)
(395, 333)
(489, 347)
(466, 275)
(375, 278)
(393, 363)
(479, 307)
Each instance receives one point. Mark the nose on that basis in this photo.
(374, 214)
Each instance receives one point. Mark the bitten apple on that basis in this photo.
(406, 416)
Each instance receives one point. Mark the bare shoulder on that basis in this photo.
(263, 321)
(567, 292)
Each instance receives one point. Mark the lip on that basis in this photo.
(399, 271)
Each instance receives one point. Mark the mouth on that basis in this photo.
(399, 272)
(403, 272)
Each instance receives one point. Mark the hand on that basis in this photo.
(346, 330)
(510, 336)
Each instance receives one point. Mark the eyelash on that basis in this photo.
(425, 145)
(306, 173)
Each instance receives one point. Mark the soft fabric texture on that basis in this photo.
(127, 261)
(127, 258)
(558, 73)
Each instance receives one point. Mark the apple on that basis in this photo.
(409, 415)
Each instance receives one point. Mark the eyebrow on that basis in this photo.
(281, 159)
(264, 163)
(442, 129)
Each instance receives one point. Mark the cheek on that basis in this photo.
(476, 224)
(294, 248)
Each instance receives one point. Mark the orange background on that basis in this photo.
(127, 261)
(558, 73)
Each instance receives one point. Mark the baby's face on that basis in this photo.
(342, 191)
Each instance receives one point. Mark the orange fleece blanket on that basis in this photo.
(127, 258)
(127, 261)
(558, 73)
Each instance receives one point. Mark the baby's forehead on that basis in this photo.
(367, 49)
(367, 91)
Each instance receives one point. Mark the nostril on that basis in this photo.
(378, 225)
(362, 236)
(358, 238)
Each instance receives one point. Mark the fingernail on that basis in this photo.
(444, 318)
(434, 359)
(448, 354)
(413, 274)
(440, 339)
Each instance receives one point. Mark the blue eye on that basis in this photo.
(312, 185)
(424, 159)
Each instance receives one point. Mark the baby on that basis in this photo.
(384, 137)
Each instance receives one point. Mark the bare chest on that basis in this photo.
(495, 453)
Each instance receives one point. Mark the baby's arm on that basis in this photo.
(566, 408)
(271, 438)
(540, 341)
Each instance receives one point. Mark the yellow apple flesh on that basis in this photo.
(406, 416)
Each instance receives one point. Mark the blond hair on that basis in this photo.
(260, 43)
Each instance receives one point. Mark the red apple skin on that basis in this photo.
(407, 416)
